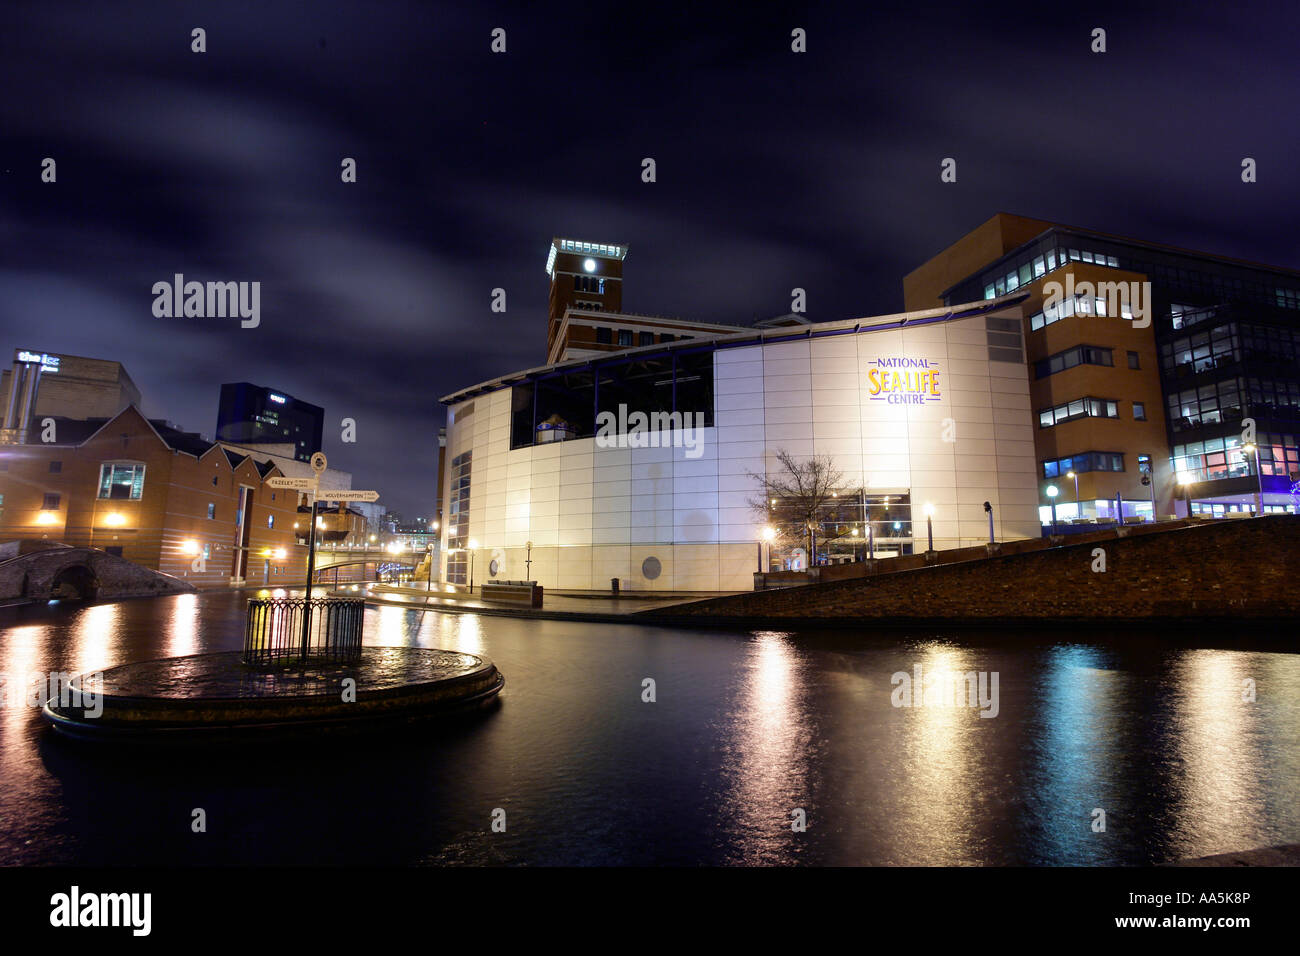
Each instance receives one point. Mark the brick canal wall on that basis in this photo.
(1246, 568)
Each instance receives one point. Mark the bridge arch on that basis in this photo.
(76, 582)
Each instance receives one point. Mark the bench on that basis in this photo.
(525, 593)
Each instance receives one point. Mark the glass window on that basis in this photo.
(1139, 412)
(1112, 262)
(1133, 360)
(1025, 274)
(212, 511)
(1087, 256)
(51, 503)
(270, 521)
(56, 467)
(1040, 267)
(990, 292)
(604, 336)
(624, 336)
(646, 338)
(123, 481)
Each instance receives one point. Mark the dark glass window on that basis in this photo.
(1133, 360)
(624, 336)
(56, 467)
(604, 337)
(1079, 355)
(645, 338)
(51, 503)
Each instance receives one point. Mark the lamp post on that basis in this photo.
(1052, 492)
(1185, 480)
(929, 527)
(769, 534)
(854, 532)
(472, 545)
(988, 509)
(1259, 478)
(1150, 479)
(1078, 508)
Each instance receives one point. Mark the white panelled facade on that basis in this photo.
(595, 513)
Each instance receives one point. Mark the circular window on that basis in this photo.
(493, 567)
(651, 568)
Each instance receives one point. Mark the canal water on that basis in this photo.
(1155, 731)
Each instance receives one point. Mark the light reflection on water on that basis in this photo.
(746, 728)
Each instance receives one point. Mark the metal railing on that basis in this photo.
(285, 630)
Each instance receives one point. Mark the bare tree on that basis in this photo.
(796, 496)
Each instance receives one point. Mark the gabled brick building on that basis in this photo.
(155, 495)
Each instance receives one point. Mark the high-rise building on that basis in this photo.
(1149, 362)
(252, 414)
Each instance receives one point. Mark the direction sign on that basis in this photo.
(300, 484)
(348, 495)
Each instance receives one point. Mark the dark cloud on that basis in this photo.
(775, 171)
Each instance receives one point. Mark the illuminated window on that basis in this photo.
(212, 511)
(122, 481)
(1139, 412)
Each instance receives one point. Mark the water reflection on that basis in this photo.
(770, 751)
(747, 728)
(1219, 750)
(939, 753)
(182, 633)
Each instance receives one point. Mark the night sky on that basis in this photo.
(775, 170)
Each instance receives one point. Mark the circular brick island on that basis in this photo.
(219, 697)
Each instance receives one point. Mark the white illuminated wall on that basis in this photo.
(597, 513)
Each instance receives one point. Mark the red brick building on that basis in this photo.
(153, 494)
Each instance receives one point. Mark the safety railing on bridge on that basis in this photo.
(292, 630)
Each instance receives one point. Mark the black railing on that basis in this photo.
(282, 631)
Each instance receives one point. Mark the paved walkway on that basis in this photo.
(563, 607)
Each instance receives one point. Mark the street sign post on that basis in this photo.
(341, 495)
(298, 484)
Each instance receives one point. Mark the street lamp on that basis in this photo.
(473, 545)
(769, 535)
(1052, 492)
(854, 532)
(1185, 480)
(929, 526)
(1078, 509)
(1259, 476)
